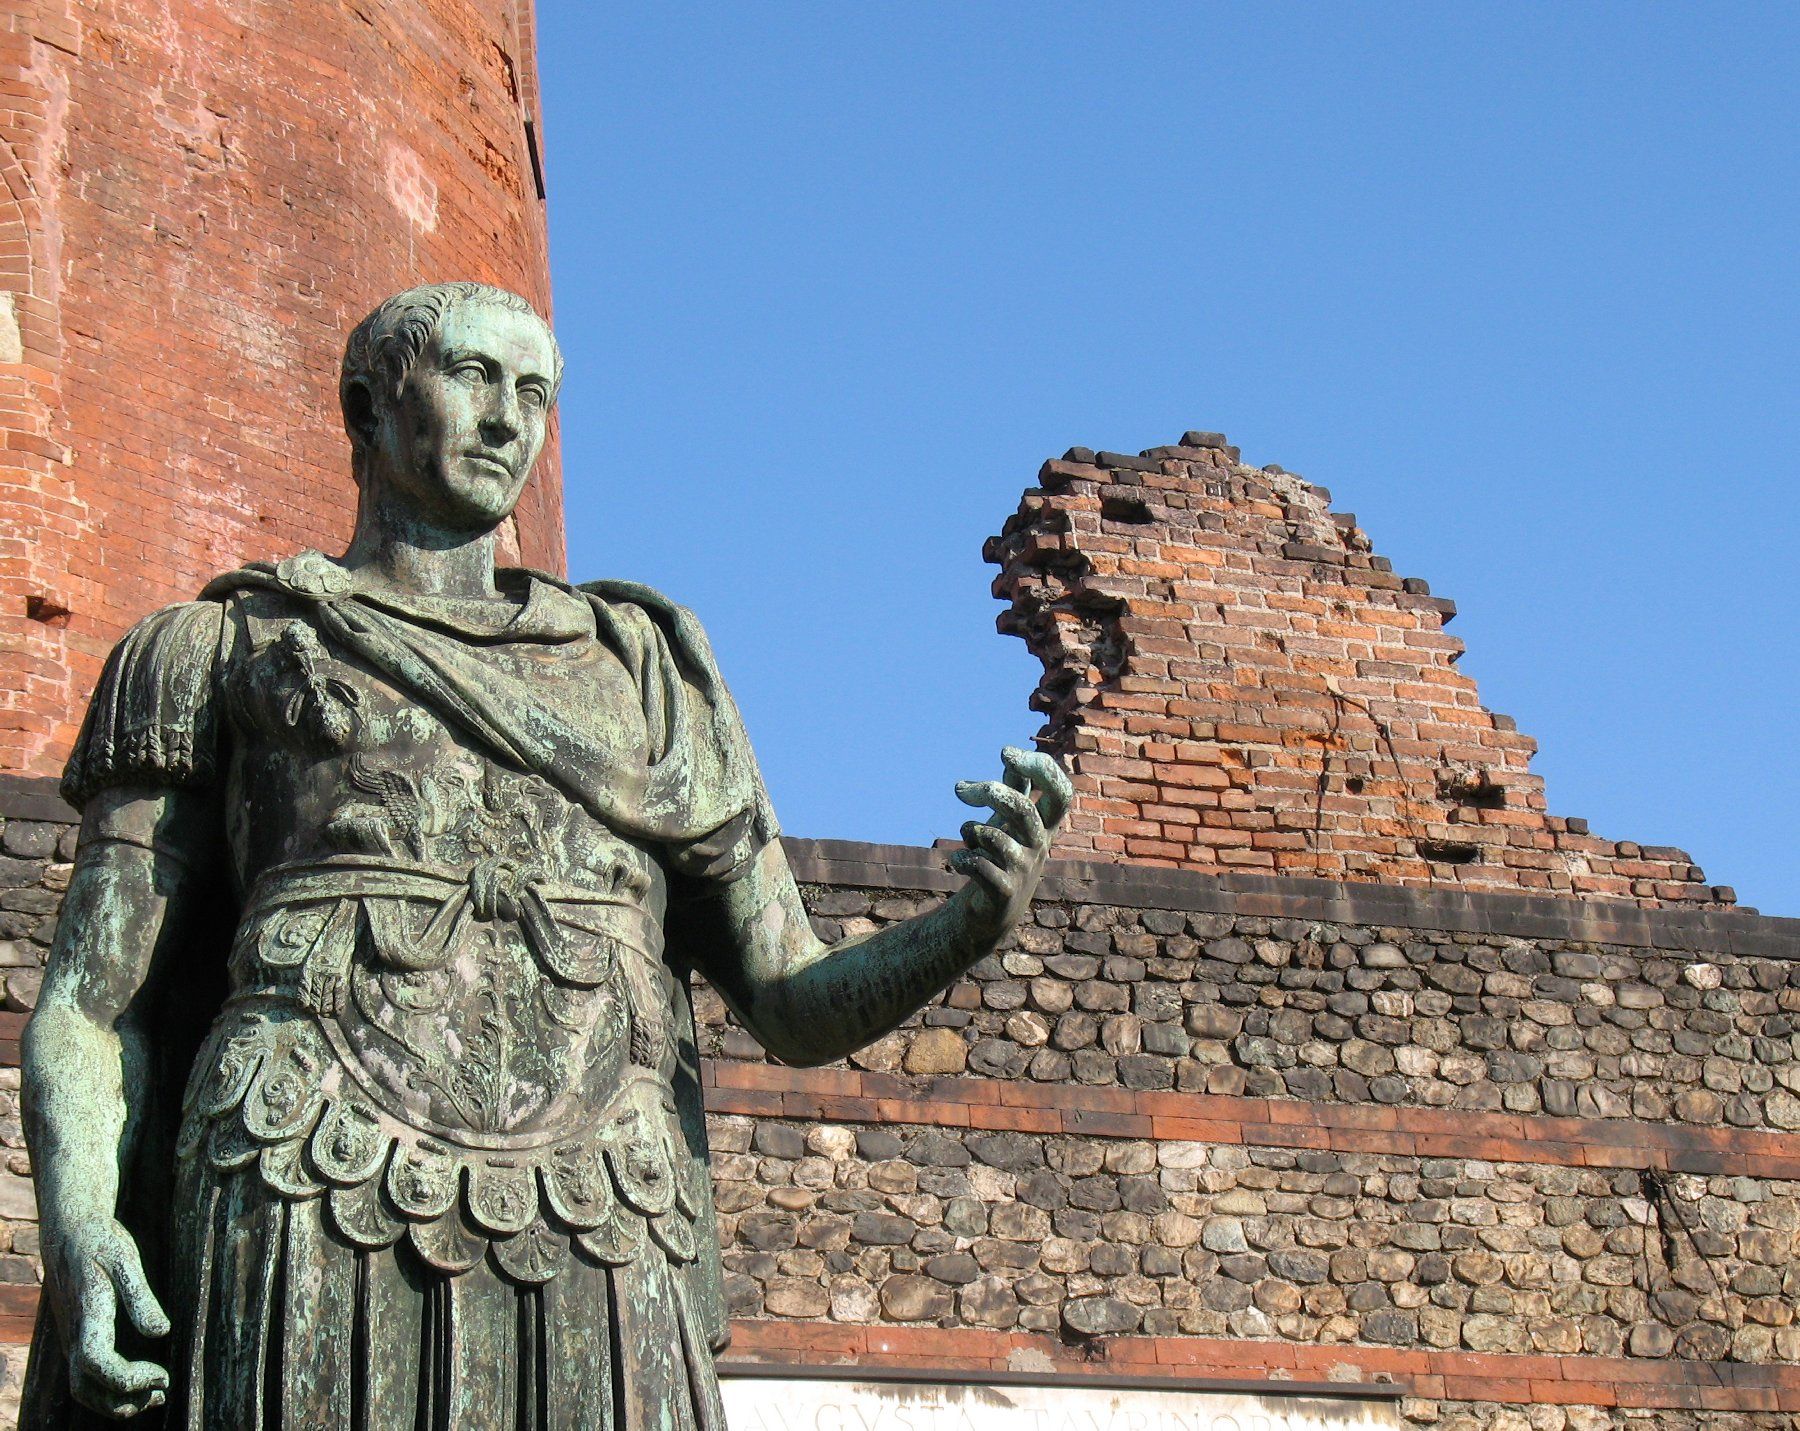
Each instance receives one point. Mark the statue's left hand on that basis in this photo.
(1006, 854)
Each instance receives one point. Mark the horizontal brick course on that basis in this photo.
(768, 1090)
(1450, 1376)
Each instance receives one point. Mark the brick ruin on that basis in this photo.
(1238, 681)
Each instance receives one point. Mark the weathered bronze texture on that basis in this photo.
(362, 1091)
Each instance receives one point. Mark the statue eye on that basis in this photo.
(534, 395)
(471, 370)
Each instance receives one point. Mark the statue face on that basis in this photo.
(461, 438)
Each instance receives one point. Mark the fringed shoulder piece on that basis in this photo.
(153, 719)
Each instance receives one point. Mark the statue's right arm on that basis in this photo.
(85, 1064)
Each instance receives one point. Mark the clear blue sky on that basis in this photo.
(1518, 283)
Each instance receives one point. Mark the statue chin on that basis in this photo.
(483, 494)
(460, 506)
(481, 518)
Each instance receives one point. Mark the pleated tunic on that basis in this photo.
(291, 1328)
(438, 1160)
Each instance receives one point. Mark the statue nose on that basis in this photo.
(500, 423)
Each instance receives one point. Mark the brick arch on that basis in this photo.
(27, 268)
(22, 265)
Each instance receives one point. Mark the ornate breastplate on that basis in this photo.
(473, 1064)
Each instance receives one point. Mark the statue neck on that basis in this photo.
(401, 551)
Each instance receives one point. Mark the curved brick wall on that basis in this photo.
(197, 202)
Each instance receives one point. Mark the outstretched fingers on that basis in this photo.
(996, 843)
(1005, 854)
(1030, 801)
(1012, 807)
(995, 883)
(1037, 771)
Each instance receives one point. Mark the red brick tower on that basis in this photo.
(197, 201)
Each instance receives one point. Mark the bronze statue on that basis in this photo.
(363, 1092)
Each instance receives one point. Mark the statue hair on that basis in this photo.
(385, 345)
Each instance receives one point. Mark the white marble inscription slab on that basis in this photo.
(797, 1404)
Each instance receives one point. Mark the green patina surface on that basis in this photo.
(362, 1091)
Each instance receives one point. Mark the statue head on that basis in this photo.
(446, 391)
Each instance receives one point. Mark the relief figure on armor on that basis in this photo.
(363, 1091)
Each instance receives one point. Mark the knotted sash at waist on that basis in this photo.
(309, 915)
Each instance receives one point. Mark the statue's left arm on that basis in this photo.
(809, 1002)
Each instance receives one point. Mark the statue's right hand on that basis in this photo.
(92, 1269)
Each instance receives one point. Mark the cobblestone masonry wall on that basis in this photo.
(1320, 1011)
(37, 846)
(1239, 681)
(1540, 1180)
(198, 199)
(1534, 1157)
(1082, 1237)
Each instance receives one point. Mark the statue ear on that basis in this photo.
(359, 410)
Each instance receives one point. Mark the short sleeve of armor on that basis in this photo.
(154, 716)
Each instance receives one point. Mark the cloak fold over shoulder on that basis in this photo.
(694, 788)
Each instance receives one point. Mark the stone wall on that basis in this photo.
(1322, 1010)
(37, 848)
(198, 200)
(1528, 1160)
(1077, 1236)
(1532, 1159)
(1238, 680)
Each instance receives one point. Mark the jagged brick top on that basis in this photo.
(1237, 681)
